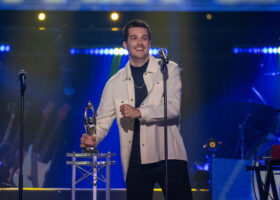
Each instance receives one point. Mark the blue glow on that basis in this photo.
(101, 51)
(108, 51)
(8, 48)
(111, 51)
(72, 51)
(2, 48)
(5, 47)
(257, 50)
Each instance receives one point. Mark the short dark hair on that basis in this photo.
(135, 23)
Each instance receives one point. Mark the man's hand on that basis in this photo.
(129, 111)
(87, 140)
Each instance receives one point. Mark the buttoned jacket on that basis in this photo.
(120, 90)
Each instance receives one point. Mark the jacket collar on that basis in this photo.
(152, 68)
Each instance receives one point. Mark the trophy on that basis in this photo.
(90, 126)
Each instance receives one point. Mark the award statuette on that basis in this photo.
(90, 127)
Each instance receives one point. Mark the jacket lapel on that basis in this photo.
(150, 73)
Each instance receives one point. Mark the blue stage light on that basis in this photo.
(257, 50)
(108, 51)
(250, 50)
(72, 51)
(2, 48)
(8, 48)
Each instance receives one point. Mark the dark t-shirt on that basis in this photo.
(140, 94)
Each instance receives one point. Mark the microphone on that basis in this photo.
(163, 56)
(22, 80)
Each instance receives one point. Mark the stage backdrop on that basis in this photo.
(228, 90)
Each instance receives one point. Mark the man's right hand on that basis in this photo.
(87, 140)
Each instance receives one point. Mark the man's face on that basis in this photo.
(138, 43)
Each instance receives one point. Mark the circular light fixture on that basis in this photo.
(209, 16)
(115, 16)
(41, 16)
(212, 144)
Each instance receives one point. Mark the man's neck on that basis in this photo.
(138, 62)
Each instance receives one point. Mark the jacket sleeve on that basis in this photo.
(105, 114)
(155, 113)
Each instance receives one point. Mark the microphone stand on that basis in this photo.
(164, 72)
(22, 79)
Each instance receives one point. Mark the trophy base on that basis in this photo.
(90, 150)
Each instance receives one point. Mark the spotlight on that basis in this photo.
(209, 16)
(2, 48)
(115, 16)
(115, 29)
(72, 51)
(8, 48)
(212, 144)
(41, 16)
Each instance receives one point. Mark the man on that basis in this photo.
(134, 96)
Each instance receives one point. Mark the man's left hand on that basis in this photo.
(129, 111)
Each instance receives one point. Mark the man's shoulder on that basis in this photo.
(117, 77)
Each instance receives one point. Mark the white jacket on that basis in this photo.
(120, 90)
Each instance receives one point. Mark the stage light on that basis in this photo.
(107, 51)
(101, 51)
(5, 47)
(111, 51)
(250, 50)
(257, 50)
(8, 48)
(115, 16)
(209, 16)
(41, 16)
(2, 48)
(42, 28)
(235, 50)
(115, 29)
(72, 51)
(116, 51)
